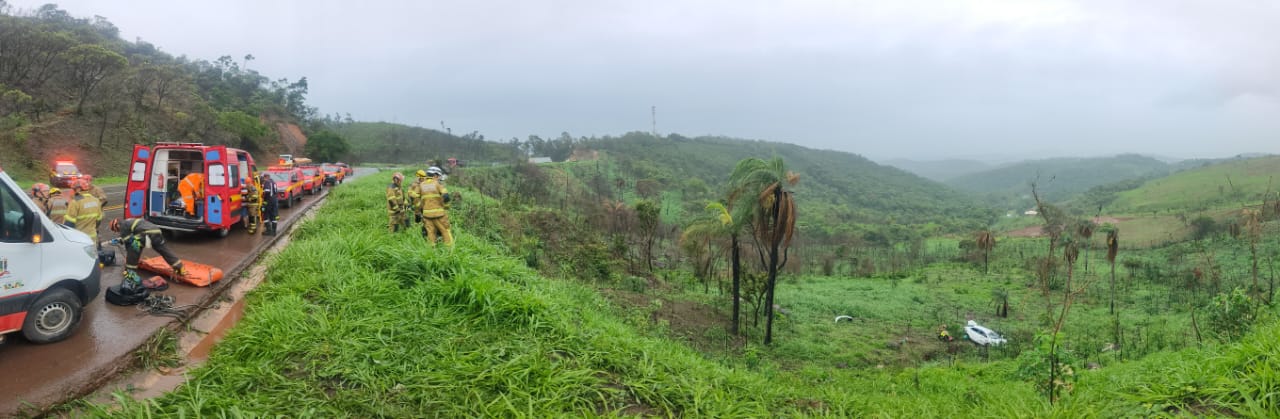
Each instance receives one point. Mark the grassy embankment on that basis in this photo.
(353, 321)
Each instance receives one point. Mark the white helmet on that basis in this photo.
(434, 171)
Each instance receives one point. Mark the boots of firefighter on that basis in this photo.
(270, 228)
(131, 281)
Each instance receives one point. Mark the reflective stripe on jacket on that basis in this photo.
(431, 193)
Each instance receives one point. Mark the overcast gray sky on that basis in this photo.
(885, 79)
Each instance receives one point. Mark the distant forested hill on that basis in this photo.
(836, 190)
(385, 142)
(1059, 178)
(71, 88)
(940, 170)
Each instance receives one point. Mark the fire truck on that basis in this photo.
(229, 177)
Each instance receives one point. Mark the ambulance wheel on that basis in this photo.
(223, 232)
(53, 316)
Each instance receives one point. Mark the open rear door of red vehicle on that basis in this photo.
(136, 189)
(216, 185)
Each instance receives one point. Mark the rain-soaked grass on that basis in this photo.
(353, 321)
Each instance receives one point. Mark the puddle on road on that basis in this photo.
(200, 352)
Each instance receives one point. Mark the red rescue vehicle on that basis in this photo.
(155, 172)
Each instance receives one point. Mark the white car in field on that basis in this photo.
(982, 336)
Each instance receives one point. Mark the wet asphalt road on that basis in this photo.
(43, 375)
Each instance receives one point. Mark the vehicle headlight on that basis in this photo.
(91, 251)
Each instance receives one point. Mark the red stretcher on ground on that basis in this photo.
(198, 274)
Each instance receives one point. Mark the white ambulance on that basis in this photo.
(48, 272)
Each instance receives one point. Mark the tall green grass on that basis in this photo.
(353, 321)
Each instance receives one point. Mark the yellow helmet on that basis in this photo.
(421, 173)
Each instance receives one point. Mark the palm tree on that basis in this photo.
(1113, 247)
(773, 216)
(732, 226)
(985, 241)
(1000, 297)
(1085, 230)
(1253, 233)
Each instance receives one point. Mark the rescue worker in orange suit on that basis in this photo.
(58, 205)
(192, 190)
(434, 199)
(396, 205)
(84, 212)
(270, 205)
(40, 194)
(136, 234)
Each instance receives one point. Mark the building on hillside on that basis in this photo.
(539, 160)
(1031, 213)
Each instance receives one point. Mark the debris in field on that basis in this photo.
(839, 318)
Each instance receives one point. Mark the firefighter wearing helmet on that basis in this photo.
(137, 234)
(96, 191)
(270, 205)
(58, 204)
(396, 205)
(40, 194)
(433, 198)
(84, 212)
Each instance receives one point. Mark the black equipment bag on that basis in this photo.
(121, 296)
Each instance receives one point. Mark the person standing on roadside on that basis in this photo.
(396, 205)
(84, 212)
(415, 203)
(40, 194)
(57, 206)
(96, 191)
(270, 205)
(434, 200)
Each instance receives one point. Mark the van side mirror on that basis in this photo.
(36, 228)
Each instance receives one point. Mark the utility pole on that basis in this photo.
(653, 114)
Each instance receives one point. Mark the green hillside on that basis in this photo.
(385, 142)
(836, 188)
(71, 88)
(1060, 178)
(1231, 184)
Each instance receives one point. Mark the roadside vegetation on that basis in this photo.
(354, 321)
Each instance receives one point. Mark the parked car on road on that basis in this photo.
(345, 168)
(288, 183)
(313, 179)
(333, 174)
(64, 172)
(48, 272)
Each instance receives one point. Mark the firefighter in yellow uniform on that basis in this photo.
(411, 197)
(85, 212)
(58, 205)
(434, 200)
(396, 205)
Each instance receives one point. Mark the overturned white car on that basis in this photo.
(981, 335)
